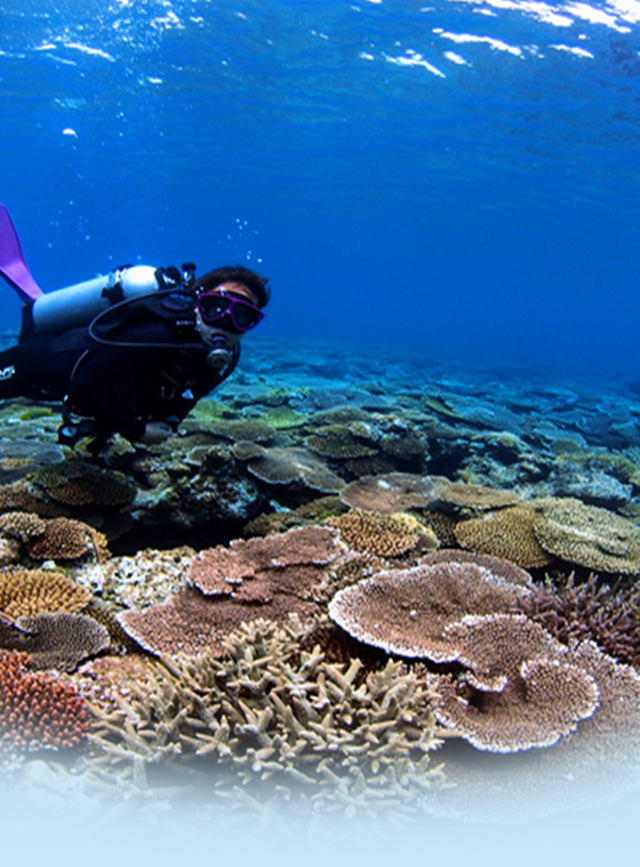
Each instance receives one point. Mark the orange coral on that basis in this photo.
(36, 712)
(27, 592)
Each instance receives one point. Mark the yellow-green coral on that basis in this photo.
(283, 417)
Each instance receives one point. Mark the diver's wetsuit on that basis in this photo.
(138, 361)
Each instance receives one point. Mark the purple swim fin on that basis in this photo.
(12, 265)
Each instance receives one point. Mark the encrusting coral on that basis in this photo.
(266, 710)
(28, 592)
(36, 712)
(506, 533)
(588, 535)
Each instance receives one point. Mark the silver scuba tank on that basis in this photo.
(76, 305)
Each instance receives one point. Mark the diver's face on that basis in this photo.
(209, 332)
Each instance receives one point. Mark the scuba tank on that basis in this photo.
(78, 304)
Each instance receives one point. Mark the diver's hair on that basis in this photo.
(256, 284)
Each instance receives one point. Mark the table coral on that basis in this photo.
(259, 577)
(523, 689)
(36, 712)
(506, 533)
(588, 535)
(391, 492)
(341, 441)
(60, 640)
(67, 539)
(34, 591)
(290, 465)
(474, 497)
(407, 611)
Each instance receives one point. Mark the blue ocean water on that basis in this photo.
(457, 177)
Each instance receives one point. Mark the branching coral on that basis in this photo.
(266, 710)
(592, 610)
(36, 712)
(67, 539)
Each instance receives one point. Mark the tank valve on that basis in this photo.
(220, 355)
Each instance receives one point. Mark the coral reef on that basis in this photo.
(36, 712)
(521, 689)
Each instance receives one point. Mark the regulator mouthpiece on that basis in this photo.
(220, 355)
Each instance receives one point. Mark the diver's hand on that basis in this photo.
(156, 432)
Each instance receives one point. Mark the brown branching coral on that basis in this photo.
(406, 612)
(36, 712)
(384, 535)
(27, 592)
(507, 533)
(522, 689)
(588, 535)
(23, 526)
(265, 710)
(592, 610)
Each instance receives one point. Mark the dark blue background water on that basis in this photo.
(476, 205)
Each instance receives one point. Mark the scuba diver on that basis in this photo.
(130, 352)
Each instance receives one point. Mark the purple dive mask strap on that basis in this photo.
(12, 264)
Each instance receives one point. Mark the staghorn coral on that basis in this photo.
(507, 533)
(523, 689)
(407, 611)
(36, 712)
(59, 640)
(588, 535)
(67, 539)
(77, 483)
(27, 592)
(342, 441)
(383, 535)
(391, 492)
(592, 610)
(265, 710)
